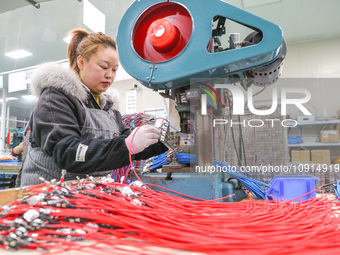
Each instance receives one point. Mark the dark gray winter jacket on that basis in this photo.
(58, 119)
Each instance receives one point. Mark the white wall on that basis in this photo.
(146, 98)
(317, 59)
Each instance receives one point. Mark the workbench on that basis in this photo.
(10, 167)
(8, 173)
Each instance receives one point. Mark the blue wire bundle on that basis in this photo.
(254, 186)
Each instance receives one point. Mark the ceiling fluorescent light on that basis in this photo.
(11, 98)
(18, 54)
(8, 99)
(93, 18)
(29, 97)
(255, 3)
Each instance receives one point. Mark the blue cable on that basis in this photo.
(254, 186)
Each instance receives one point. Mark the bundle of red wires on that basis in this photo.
(125, 219)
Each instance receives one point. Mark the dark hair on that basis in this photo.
(86, 44)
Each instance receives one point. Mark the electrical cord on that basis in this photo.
(254, 186)
(125, 219)
(242, 148)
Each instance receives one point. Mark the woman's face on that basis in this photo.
(99, 71)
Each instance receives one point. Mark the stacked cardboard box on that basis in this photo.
(329, 136)
(300, 155)
(321, 156)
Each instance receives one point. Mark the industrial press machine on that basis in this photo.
(185, 50)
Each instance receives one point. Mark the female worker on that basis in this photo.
(76, 125)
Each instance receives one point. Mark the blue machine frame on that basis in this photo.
(193, 62)
(202, 186)
(188, 64)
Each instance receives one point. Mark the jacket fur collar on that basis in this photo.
(66, 80)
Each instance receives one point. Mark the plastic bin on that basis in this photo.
(288, 187)
(337, 189)
(294, 139)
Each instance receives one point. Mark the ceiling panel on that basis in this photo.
(9, 5)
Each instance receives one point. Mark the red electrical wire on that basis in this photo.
(115, 223)
(116, 218)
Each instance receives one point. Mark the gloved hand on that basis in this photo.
(142, 138)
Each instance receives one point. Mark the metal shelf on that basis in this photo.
(318, 122)
(313, 144)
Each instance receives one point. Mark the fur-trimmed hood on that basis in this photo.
(66, 80)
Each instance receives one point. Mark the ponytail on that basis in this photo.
(77, 36)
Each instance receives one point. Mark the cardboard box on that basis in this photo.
(329, 136)
(300, 155)
(338, 114)
(321, 156)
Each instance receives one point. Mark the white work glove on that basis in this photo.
(142, 138)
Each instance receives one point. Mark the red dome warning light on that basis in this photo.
(162, 32)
